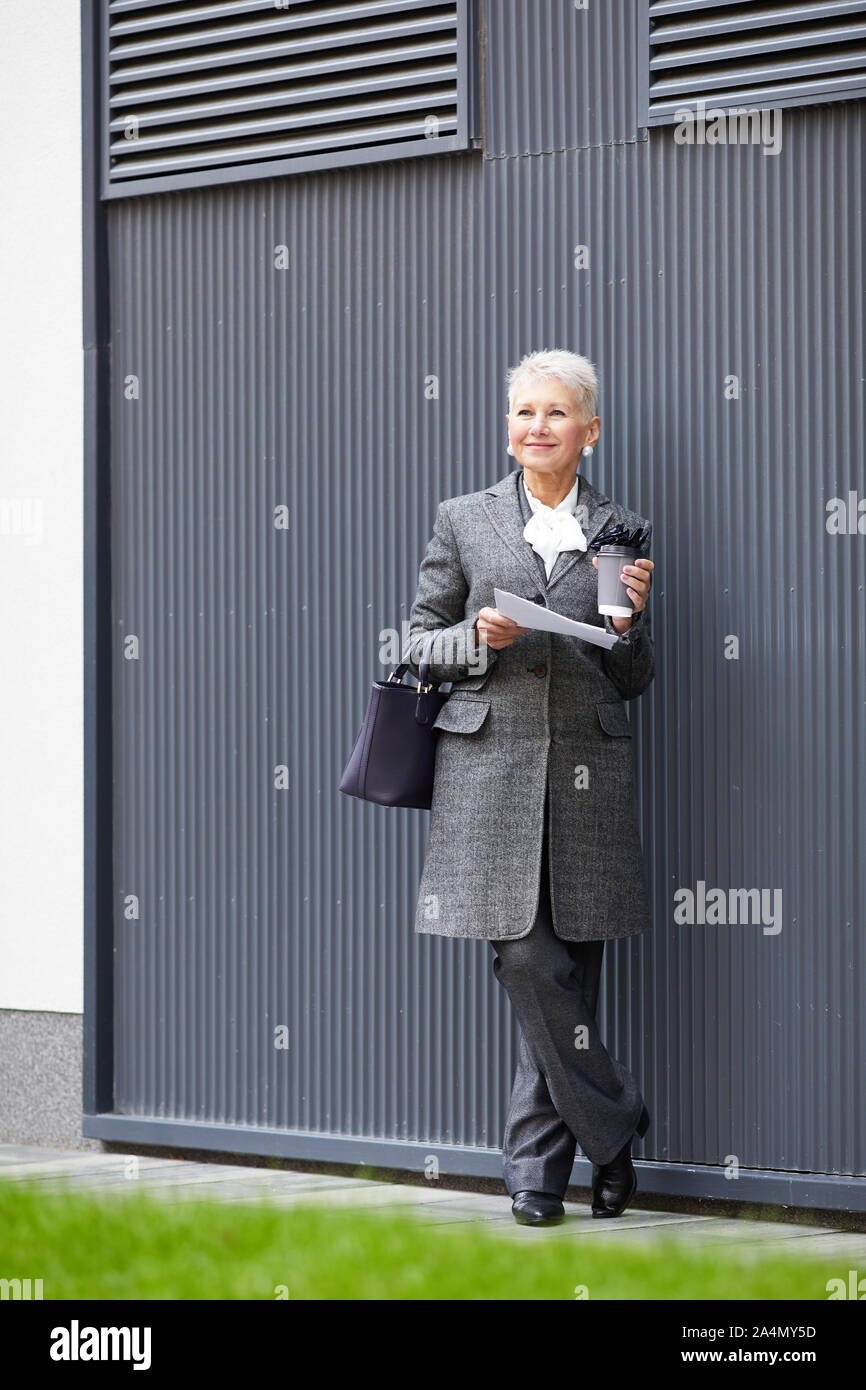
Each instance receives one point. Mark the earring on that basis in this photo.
(587, 453)
(509, 450)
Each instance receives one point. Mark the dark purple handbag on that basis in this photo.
(392, 760)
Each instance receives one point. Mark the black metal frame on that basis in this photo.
(98, 1041)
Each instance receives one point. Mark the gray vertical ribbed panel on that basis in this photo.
(261, 907)
(557, 77)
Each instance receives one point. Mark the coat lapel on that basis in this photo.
(502, 508)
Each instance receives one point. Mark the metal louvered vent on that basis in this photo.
(201, 92)
(760, 53)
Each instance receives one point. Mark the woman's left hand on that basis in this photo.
(638, 582)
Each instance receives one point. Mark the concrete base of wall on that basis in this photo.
(40, 1080)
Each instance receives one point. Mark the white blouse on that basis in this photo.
(552, 529)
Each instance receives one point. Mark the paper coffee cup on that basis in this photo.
(613, 595)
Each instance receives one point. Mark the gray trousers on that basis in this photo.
(567, 1090)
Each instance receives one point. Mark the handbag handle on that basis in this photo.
(424, 686)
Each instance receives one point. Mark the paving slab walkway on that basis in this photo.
(181, 1179)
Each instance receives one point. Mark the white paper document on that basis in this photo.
(529, 614)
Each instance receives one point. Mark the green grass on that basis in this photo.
(138, 1246)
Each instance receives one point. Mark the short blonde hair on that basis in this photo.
(577, 373)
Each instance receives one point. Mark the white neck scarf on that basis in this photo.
(552, 529)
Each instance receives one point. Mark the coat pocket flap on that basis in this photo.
(613, 718)
(461, 716)
(473, 683)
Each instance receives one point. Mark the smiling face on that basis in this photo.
(546, 427)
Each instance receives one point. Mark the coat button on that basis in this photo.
(540, 669)
(539, 598)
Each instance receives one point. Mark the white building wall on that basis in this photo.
(41, 409)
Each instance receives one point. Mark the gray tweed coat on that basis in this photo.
(548, 707)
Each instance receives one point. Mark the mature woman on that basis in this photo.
(533, 840)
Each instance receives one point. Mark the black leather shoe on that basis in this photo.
(615, 1183)
(537, 1208)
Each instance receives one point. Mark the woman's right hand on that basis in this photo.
(497, 630)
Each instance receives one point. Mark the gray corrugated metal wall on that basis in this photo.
(262, 907)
